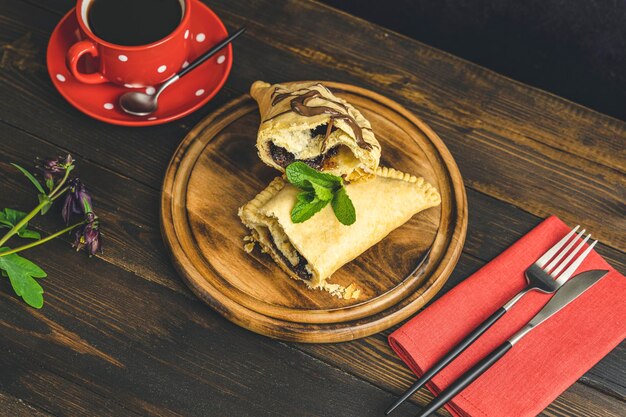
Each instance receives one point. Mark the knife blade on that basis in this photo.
(571, 290)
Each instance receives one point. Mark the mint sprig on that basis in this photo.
(317, 190)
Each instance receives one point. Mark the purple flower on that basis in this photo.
(88, 237)
(77, 201)
(51, 166)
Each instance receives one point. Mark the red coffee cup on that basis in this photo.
(143, 65)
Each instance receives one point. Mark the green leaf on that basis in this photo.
(28, 234)
(319, 189)
(305, 208)
(322, 193)
(302, 176)
(31, 178)
(46, 207)
(50, 184)
(10, 218)
(306, 197)
(343, 207)
(22, 274)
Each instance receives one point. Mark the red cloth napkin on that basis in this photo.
(545, 362)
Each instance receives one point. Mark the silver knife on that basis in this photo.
(564, 295)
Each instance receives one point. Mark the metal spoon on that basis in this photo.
(142, 104)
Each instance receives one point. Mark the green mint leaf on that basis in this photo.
(302, 176)
(343, 207)
(46, 207)
(319, 189)
(322, 193)
(31, 178)
(306, 197)
(10, 218)
(22, 274)
(304, 209)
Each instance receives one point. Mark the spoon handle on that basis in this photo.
(208, 54)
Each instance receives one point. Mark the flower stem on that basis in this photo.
(60, 184)
(44, 240)
(59, 194)
(22, 222)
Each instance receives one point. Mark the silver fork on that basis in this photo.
(547, 275)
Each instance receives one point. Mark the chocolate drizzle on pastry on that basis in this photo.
(299, 106)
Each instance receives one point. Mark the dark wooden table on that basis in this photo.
(120, 334)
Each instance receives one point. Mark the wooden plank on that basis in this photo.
(511, 142)
(495, 225)
(12, 406)
(108, 342)
(487, 235)
(609, 375)
(129, 211)
(50, 390)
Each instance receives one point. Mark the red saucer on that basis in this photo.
(183, 97)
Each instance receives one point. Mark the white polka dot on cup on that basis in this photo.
(200, 37)
(108, 106)
(161, 69)
(150, 90)
(185, 64)
(122, 58)
(186, 33)
(221, 59)
(61, 77)
(200, 92)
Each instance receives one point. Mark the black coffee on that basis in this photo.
(133, 22)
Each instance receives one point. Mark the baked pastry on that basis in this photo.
(307, 122)
(313, 250)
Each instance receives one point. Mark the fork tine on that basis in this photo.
(572, 268)
(554, 249)
(567, 260)
(564, 252)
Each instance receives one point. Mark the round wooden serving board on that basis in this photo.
(216, 170)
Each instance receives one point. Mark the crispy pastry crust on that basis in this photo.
(284, 127)
(382, 204)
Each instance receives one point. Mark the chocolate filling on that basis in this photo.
(299, 269)
(322, 130)
(283, 157)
